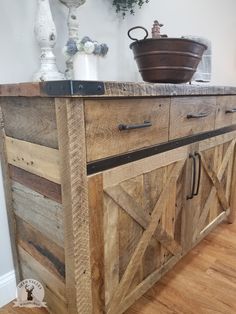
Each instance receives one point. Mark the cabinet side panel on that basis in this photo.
(44, 214)
(30, 119)
(34, 198)
(44, 250)
(54, 288)
(8, 197)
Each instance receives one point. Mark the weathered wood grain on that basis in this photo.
(103, 233)
(44, 214)
(30, 119)
(216, 141)
(22, 89)
(54, 288)
(144, 241)
(45, 276)
(153, 183)
(111, 247)
(130, 230)
(8, 197)
(133, 209)
(129, 204)
(45, 251)
(102, 120)
(72, 149)
(37, 159)
(209, 267)
(217, 184)
(212, 195)
(96, 214)
(225, 103)
(124, 89)
(146, 284)
(181, 126)
(115, 176)
(222, 217)
(43, 186)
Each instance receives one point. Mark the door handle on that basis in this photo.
(199, 172)
(196, 180)
(193, 157)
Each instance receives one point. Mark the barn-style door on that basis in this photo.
(213, 201)
(148, 234)
(147, 214)
(142, 205)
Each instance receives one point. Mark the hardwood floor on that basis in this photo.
(204, 282)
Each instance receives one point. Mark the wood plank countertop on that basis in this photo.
(110, 89)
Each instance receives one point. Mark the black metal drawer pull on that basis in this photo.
(230, 110)
(126, 127)
(197, 115)
(194, 176)
(199, 172)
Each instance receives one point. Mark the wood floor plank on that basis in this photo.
(204, 282)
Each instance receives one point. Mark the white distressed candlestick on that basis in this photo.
(73, 29)
(45, 32)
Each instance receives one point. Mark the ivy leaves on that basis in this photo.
(128, 6)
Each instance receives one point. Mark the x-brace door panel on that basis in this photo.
(213, 201)
(143, 220)
(143, 204)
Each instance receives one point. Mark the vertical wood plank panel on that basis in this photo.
(96, 213)
(72, 150)
(111, 242)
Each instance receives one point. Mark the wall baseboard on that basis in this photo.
(7, 288)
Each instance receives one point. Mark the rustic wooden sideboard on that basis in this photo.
(109, 184)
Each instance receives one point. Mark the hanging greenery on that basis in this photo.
(128, 6)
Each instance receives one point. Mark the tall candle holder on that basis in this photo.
(45, 32)
(73, 30)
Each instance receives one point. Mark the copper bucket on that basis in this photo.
(166, 60)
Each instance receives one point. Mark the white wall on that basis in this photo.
(7, 276)
(6, 264)
(214, 19)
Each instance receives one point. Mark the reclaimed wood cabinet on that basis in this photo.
(108, 185)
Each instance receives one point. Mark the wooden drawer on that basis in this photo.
(226, 111)
(103, 117)
(191, 115)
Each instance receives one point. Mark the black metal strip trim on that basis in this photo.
(70, 88)
(108, 163)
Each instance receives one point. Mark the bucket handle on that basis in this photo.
(137, 27)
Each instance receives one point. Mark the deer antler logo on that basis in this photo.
(29, 290)
(30, 293)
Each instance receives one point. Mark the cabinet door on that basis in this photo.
(216, 192)
(139, 209)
